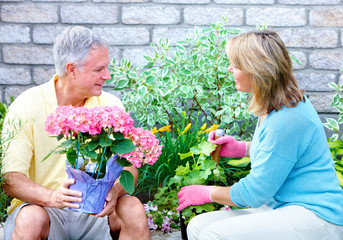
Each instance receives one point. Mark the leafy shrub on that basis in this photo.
(336, 140)
(188, 83)
(180, 81)
(4, 198)
(200, 170)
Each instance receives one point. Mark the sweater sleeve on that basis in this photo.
(263, 181)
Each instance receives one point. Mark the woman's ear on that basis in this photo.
(71, 69)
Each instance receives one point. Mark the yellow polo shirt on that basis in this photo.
(31, 143)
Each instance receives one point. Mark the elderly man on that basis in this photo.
(42, 199)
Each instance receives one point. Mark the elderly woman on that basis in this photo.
(292, 191)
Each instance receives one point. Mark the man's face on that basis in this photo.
(89, 79)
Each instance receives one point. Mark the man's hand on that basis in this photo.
(110, 202)
(65, 197)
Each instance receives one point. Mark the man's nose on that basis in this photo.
(106, 75)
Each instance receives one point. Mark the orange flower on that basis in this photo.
(165, 128)
(214, 127)
(203, 127)
(154, 130)
(186, 128)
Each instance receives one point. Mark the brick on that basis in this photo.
(122, 1)
(29, 13)
(150, 15)
(64, 1)
(14, 34)
(124, 35)
(89, 14)
(14, 92)
(309, 38)
(321, 102)
(15, 75)
(317, 82)
(326, 17)
(114, 53)
(172, 34)
(301, 57)
(43, 75)
(136, 55)
(309, 2)
(244, 1)
(204, 16)
(46, 34)
(327, 60)
(276, 16)
(27, 55)
(183, 1)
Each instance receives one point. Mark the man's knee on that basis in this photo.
(32, 220)
(131, 215)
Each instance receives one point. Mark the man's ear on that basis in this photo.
(71, 69)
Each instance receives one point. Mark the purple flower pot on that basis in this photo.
(94, 192)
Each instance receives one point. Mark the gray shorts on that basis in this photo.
(66, 224)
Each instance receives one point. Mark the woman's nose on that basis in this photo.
(230, 68)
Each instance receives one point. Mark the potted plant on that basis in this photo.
(98, 143)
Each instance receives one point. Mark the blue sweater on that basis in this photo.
(291, 164)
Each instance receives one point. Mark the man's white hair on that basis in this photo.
(73, 45)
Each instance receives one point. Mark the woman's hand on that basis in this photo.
(194, 195)
(230, 146)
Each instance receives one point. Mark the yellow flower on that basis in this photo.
(154, 130)
(214, 127)
(186, 128)
(203, 127)
(165, 128)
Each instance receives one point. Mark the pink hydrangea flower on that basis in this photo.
(70, 121)
(147, 147)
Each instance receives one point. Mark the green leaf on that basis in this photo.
(208, 207)
(122, 83)
(127, 181)
(123, 146)
(71, 156)
(186, 155)
(182, 170)
(68, 143)
(90, 154)
(150, 79)
(142, 91)
(123, 162)
(93, 145)
(105, 142)
(243, 162)
(204, 147)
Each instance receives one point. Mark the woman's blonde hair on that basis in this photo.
(263, 56)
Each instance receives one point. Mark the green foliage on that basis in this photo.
(4, 198)
(176, 139)
(189, 77)
(199, 169)
(336, 140)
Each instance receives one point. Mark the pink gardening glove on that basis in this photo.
(194, 195)
(230, 146)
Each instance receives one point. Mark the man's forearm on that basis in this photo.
(19, 186)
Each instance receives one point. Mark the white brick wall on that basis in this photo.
(311, 29)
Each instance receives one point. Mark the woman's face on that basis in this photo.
(242, 80)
